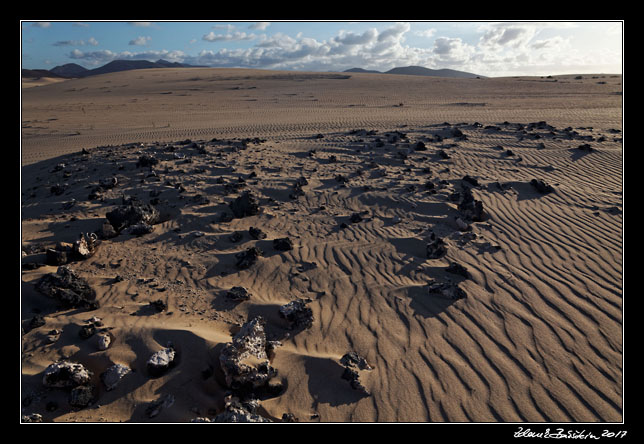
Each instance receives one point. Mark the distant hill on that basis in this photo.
(72, 70)
(421, 71)
(69, 70)
(363, 70)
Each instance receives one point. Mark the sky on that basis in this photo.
(492, 49)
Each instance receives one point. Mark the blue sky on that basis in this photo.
(487, 48)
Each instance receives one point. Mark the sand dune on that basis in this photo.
(538, 337)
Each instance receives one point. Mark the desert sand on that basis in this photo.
(512, 314)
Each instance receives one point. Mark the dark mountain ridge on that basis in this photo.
(421, 71)
(73, 70)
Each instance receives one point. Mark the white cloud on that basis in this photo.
(349, 38)
(91, 41)
(234, 36)
(93, 57)
(226, 27)
(41, 24)
(395, 33)
(140, 41)
(502, 35)
(427, 33)
(259, 26)
(141, 24)
(494, 49)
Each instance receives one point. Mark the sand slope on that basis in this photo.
(537, 339)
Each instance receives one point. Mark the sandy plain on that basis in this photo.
(538, 337)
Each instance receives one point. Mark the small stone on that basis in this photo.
(235, 237)
(104, 341)
(246, 259)
(34, 417)
(238, 294)
(436, 249)
(256, 233)
(446, 290)
(113, 375)
(541, 186)
(155, 407)
(161, 361)
(283, 244)
(81, 396)
(37, 321)
(297, 313)
(245, 205)
(456, 268)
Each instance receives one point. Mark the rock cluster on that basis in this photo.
(68, 288)
(134, 213)
(82, 249)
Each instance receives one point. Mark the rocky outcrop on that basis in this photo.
(68, 288)
(244, 361)
(66, 374)
(353, 365)
(240, 411)
(133, 213)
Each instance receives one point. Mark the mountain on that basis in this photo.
(72, 70)
(421, 71)
(363, 70)
(69, 70)
(121, 65)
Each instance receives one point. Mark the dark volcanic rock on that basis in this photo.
(133, 213)
(436, 248)
(81, 396)
(446, 290)
(244, 361)
(238, 294)
(256, 233)
(66, 374)
(283, 244)
(236, 411)
(297, 313)
(541, 186)
(456, 268)
(146, 161)
(353, 364)
(469, 207)
(245, 205)
(247, 258)
(160, 362)
(68, 288)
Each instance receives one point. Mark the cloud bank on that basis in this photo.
(502, 49)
